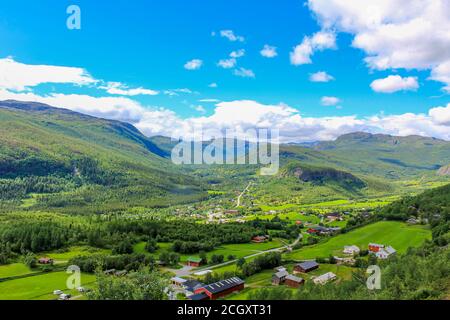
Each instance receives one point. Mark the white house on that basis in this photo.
(323, 279)
(353, 250)
(385, 253)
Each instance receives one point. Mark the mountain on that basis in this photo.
(51, 150)
(444, 171)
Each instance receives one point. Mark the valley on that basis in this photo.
(79, 190)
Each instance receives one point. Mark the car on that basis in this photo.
(64, 296)
(58, 292)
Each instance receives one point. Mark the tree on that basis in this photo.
(140, 285)
(151, 246)
(30, 260)
(240, 262)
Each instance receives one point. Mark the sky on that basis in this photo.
(313, 69)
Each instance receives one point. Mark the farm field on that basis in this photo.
(397, 234)
(40, 287)
(13, 270)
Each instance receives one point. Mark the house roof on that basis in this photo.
(308, 265)
(194, 259)
(223, 285)
(197, 297)
(281, 274)
(179, 280)
(294, 278)
(325, 277)
(192, 285)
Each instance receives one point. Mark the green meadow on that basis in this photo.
(396, 234)
(14, 270)
(40, 287)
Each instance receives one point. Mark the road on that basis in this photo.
(238, 202)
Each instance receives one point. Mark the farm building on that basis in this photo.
(279, 277)
(385, 253)
(334, 216)
(194, 262)
(259, 239)
(221, 288)
(190, 286)
(375, 247)
(45, 261)
(177, 281)
(353, 250)
(323, 279)
(279, 269)
(293, 281)
(306, 267)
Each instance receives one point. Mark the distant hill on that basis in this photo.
(46, 150)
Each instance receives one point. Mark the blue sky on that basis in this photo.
(146, 44)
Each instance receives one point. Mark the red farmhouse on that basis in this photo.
(221, 288)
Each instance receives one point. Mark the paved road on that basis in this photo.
(238, 202)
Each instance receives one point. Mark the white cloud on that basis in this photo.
(194, 64)
(177, 92)
(394, 83)
(394, 35)
(320, 76)
(118, 88)
(227, 63)
(292, 126)
(229, 34)
(244, 73)
(441, 115)
(213, 85)
(329, 101)
(319, 41)
(20, 77)
(269, 51)
(237, 54)
(199, 108)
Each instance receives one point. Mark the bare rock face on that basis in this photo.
(444, 171)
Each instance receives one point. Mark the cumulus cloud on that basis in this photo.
(194, 64)
(229, 34)
(244, 73)
(227, 63)
(319, 41)
(441, 115)
(246, 114)
(20, 77)
(269, 51)
(320, 76)
(395, 83)
(118, 88)
(394, 35)
(329, 101)
(238, 53)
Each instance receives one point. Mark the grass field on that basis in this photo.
(72, 252)
(397, 234)
(13, 270)
(40, 287)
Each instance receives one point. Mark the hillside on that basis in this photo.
(50, 150)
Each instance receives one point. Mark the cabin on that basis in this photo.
(279, 277)
(386, 253)
(375, 247)
(352, 250)
(325, 278)
(45, 261)
(194, 262)
(306, 267)
(220, 289)
(293, 281)
(259, 239)
(178, 282)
